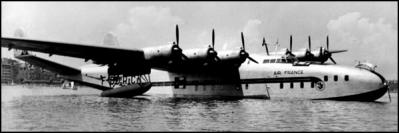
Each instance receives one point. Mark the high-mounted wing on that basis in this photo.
(121, 59)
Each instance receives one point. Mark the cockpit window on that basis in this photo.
(284, 60)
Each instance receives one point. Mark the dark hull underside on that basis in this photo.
(127, 91)
(368, 96)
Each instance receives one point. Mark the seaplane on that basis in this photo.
(205, 72)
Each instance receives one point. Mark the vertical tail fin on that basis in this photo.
(110, 39)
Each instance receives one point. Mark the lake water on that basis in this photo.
(35, 108)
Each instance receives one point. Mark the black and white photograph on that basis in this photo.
(199, 66)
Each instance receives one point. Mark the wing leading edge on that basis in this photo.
(131, 61)
(99, 54)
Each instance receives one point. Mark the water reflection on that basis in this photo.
(89, 112)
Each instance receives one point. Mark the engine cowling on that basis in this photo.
(232, 57)
(164, 55)
(202, 57)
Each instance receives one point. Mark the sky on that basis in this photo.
(368, 30)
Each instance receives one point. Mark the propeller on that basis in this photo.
(389, 94)
(213, 38)
(265, 44)
(325, 54)
(211, 53)
(310, 44)
(177, 35)
(243, 53)
(177, 52)
(332, 60)
(290, 42)
(308, 53)
(327, 42)
(288, 52)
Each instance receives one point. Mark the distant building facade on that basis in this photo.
(14, 72)
(9, 70)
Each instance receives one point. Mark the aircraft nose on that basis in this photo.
(376, 86)
(383, 81)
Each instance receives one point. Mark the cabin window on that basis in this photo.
(266, 61)
(246, 86)
(346, 77)
(335, 77)
(301, 84)
(292, 85)
(272, 60)
(281, 85)
(325, 78)
(312, 84)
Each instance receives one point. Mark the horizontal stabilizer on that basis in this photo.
(49, 65)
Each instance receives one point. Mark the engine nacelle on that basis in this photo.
(232, 57)
(319, 55)
(163, 55)
(157, 53)
(202, 56)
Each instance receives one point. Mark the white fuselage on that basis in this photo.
(358, 81)
(349, 81)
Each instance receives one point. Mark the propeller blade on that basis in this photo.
(184, 57)
(264, 43)
(327, 42)
(217, 58)
(320, 52)
(310, 44)
(337, 51)
(242, 40)
(213, 38)
(177, 35)
(290, 42)
(389, 95)
(250, 58)
(332, 60)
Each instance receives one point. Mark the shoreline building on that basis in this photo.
(13, 71)
(9, 70)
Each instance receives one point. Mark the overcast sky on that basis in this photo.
(368, 30)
